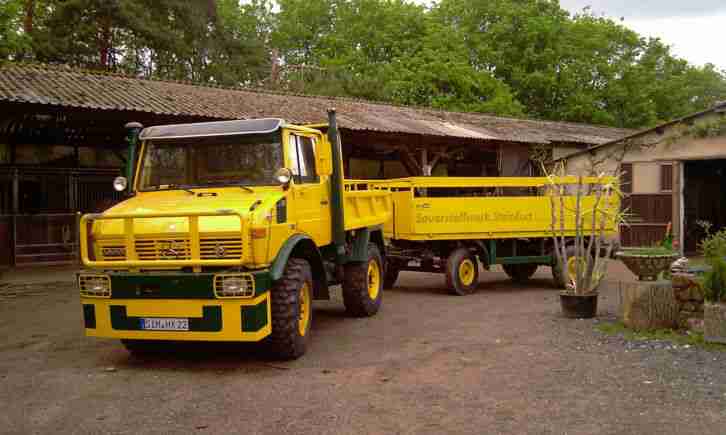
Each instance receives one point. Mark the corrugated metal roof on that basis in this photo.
(66, 87)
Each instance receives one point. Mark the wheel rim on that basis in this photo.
(572, 266)
(374, 279)
(304, 319)
(466, 272)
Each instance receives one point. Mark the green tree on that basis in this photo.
(12, 40)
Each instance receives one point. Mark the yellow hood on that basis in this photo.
(179, 201)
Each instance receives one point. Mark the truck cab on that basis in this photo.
(229, 232)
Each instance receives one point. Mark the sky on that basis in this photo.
(695, 29)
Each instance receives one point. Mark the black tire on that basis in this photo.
(286, 340)
(457, 283)
(520, 273)
(362, 291)
(391, 276)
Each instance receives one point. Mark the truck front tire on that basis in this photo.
(462, 272)
(363, 285)
(292, 315)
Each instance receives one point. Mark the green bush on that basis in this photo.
(714, 281)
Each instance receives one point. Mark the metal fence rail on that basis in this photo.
(45, 239)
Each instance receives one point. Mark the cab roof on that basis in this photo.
(217, 128)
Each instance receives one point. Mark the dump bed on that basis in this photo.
(458, 208)
(365, 206)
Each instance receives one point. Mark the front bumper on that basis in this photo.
(135, 296)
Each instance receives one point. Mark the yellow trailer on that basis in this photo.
(451, 225)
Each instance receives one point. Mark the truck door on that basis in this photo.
(310, 196)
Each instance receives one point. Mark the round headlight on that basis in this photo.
(283, 175)
(120, 184)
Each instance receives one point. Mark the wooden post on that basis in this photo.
(425, 168)
(648, 305)
(14, 221)
(16, 192)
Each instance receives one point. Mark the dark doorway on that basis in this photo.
(704, 199)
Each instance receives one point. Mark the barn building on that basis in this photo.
(674, 173)
(62, 141)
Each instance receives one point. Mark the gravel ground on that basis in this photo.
(499, 361)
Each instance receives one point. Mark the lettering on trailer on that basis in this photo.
(466, 217)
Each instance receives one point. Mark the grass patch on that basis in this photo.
(656, 250)
(676, 337)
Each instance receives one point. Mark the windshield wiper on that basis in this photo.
(213, 183)
(175, 187)
(245, 188)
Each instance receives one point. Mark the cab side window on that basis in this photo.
(301, 151)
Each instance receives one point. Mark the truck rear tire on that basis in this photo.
(520, 273)
(462, 272)
(363, 285)
(291, 298)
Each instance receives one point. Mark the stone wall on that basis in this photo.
(689, 295)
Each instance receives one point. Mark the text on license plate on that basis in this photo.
(164, 324)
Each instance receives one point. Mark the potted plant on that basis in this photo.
(714, 287)
(581, 260)
(649, 263)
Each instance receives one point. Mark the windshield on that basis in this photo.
(250, 159)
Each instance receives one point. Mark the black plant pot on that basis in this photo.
(578, 306)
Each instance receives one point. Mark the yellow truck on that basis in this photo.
(452, 225)
(231, 230)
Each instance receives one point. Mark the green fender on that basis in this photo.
(359, 248)
(278, 266)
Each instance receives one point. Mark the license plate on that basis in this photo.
(164, 324)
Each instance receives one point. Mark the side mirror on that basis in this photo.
(284, 176)
(325, 161)
(120, 184)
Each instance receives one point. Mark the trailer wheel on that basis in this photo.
(520, 273)
(292, 315)
(557, 275)
(363, 285)
(462, 272)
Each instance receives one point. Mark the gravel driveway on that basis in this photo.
(498, 361)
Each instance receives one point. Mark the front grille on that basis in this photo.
(94, 286)
(218, 248)
(226, 247)
(112, 250)
(163, 249)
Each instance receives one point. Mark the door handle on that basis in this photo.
(323, 202)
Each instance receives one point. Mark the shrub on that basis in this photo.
(714, 281)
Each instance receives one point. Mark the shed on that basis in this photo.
(672, 173)
(61, 142)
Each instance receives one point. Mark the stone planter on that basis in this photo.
(714, 323)
(646, 266)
